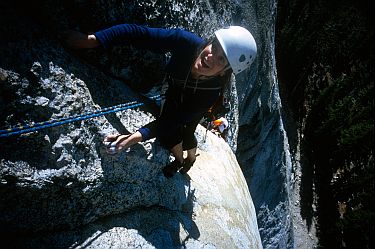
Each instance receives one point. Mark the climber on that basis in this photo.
(196, 75)
(220, 127)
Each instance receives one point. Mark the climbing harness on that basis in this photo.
(21, 129)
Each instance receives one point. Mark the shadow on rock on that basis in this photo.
(143, 227)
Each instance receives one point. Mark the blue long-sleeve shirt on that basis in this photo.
(181, 44)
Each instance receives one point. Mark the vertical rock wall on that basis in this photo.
(261, 147)
(60, 180)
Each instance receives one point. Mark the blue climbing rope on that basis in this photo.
(21, 129)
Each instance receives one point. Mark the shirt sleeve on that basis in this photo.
(155, 39)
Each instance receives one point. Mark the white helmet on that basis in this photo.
(239, 46)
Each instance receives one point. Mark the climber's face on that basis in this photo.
(210, 62)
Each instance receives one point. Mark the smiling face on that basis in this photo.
(210, 62)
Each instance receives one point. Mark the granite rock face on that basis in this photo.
(35, 58)
(58, 186)
(60, 180)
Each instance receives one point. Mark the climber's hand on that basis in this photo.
(77, 40)
(116, 143)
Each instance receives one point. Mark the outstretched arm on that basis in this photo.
(78, 40)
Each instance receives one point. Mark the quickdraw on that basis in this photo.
(21, 129)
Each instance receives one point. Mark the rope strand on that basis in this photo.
(21, 129)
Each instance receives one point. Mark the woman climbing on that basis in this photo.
(196, 75)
